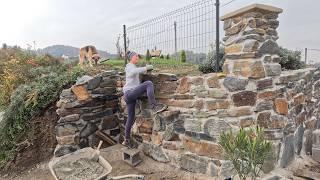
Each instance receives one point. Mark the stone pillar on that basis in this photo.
(252, 68)
(250, 42)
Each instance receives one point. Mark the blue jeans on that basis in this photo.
(131, 97)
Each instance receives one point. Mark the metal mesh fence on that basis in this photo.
(312, 56)
(190, 29)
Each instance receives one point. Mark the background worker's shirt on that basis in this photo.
(132, 76)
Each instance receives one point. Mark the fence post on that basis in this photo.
(125, 44)
(217, 35)
(305, 55)
(175, 40)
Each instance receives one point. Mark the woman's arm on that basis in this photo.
(130, 71)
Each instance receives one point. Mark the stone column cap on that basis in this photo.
(254, 7)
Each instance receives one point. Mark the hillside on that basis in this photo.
(59, 50)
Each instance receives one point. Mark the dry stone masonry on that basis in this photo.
(89, 111)
(251, 91)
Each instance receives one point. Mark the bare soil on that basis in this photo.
(37, 145)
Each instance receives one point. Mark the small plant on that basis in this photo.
(247, 150)
(148, 56)
(167, 56)
(290, 59)
(183, 56)
(206, 68)
(210, 66)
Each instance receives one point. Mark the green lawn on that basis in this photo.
(162, 66)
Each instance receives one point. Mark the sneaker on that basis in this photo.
(127, 143)
(159, 108)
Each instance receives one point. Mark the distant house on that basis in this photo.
(65, 57)
(155, 53)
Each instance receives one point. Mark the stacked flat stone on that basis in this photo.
(89, 106)
(250, 42)
(252, 91)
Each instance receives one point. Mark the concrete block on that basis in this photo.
(316, 153)
(131, 156)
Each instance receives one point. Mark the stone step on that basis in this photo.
(131, 156)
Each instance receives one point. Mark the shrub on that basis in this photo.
(247, 150)
(30, 100)
(16, 68)
(148, 56)
(161, 56)
(206, 68)
(290, 59)
(47, 60)
(167, 56)
(183, 56)
(210, 66)
(14, 73)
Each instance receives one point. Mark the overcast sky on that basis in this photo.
(98, 22)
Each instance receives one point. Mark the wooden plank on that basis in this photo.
(106, 137)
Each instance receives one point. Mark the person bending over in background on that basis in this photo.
(133, 89)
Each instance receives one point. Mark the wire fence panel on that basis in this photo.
(312, 56)
(191, 28)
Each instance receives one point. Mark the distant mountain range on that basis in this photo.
(59, 50)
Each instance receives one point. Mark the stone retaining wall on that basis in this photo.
(251, 91)
(201, 107)
(88, 111)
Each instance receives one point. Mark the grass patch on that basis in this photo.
(161, 66)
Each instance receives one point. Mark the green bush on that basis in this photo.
(290, 59)
(183, 56)
(210, 67)
(247, 150)
(161, 56)
(15, 68)
(206, 68)
(167, 56)
(47, 60)
(148, 56)
(29, 100)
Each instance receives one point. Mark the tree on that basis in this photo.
(119, 50)
(183, 56)
(148, 56)
(4, 46)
